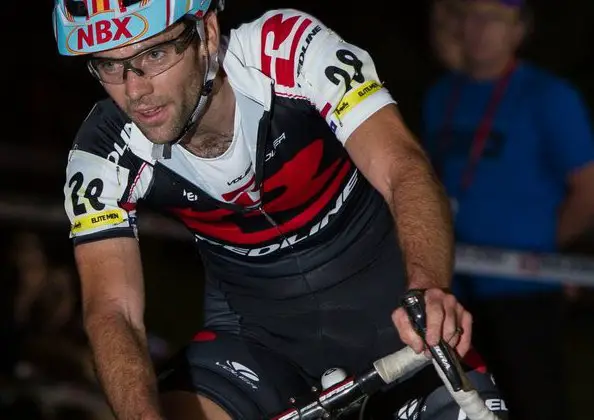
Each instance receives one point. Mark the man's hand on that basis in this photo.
(446, 318)
(572, 292)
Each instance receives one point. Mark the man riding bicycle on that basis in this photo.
(309, 199)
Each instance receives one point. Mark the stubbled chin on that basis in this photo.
(159, 135)
(155, 135)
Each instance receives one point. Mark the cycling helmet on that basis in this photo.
(89, 26)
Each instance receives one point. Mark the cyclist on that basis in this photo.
(286, 158)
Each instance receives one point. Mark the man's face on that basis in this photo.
(490, 31)
(160, 106)
(446, 29)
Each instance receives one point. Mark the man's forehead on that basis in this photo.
(508, 7)
(129, 50)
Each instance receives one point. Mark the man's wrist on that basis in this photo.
(152, 414)
(426, 283)
(423, 290)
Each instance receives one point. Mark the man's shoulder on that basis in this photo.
(539, 73)
(283, 16)
(101, 129)
(546, 82)
(273, 35)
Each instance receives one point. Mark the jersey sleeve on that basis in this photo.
(307, 59)
(99, 196)
(92, 196)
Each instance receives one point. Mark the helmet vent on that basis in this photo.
(127, 3)
(77, 8)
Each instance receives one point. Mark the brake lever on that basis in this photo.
(414, 303)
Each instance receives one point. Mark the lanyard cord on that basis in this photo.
(483, 130)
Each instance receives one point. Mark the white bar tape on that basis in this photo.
(530, 266)
(469, 400)
(398, 364)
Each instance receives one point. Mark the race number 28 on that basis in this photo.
(337, 75)
(92, 192)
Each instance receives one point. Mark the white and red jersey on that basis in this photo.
(285, 187)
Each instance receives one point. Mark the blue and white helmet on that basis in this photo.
(89, 26)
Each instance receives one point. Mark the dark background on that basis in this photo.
(46, 97)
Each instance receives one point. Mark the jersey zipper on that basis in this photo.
(273, 223)
(268, 217)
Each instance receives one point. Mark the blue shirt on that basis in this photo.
(540, 134)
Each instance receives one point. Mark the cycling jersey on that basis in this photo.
(286, 185)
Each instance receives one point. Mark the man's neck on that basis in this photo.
(220, 112)
(214, 132)
(488, 71)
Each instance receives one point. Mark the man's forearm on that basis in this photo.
(423, 218)
(576, 222)
(124, 367)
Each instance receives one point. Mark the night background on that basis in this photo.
(48, 96)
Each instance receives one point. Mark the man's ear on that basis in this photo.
(520, 31)
(525, 27)
(213, 32)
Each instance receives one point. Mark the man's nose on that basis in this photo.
(136, 86)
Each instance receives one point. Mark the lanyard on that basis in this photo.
(483, 130)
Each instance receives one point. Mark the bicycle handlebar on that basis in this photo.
(387, 370)
(343, 396)
(414, 304)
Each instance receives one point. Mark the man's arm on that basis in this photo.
(113, 311)
(576, 216)
(395, 164)
(568, 141)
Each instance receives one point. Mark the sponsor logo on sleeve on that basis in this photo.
(95, 220)
(355, 96)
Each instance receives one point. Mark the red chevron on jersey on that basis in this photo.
(279, 50)
(290, 181)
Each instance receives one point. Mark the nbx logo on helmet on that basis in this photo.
(109, 30)
(116, 30)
